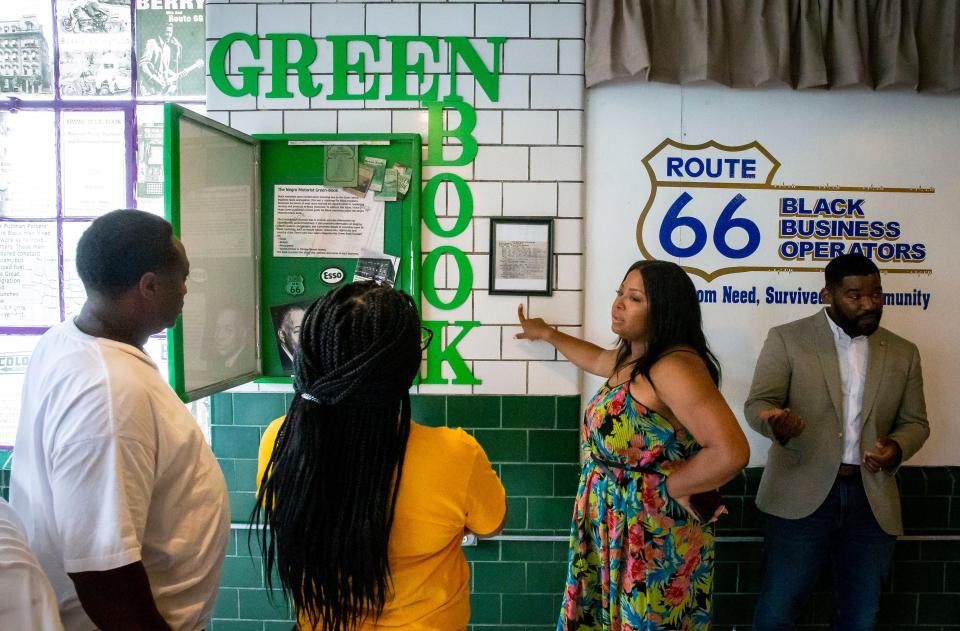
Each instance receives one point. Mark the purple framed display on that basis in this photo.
(78, 138)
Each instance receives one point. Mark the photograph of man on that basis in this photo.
(231, 339)
(161, 69)
(286, 322)
(160, 63)
(123, 500)
(842, 401)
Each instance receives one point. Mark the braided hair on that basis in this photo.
(326, 504)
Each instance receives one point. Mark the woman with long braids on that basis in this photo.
(656, 435)
(361, 510)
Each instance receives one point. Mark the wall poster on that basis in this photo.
(94, 42)
(170, 49)
(753, 192)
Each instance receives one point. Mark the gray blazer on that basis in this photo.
(798, 369)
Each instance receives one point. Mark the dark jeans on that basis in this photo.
(842, 533)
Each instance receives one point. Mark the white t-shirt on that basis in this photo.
(26, 599)
(109, 468)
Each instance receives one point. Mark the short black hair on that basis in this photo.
(848, 265)
(120, 247)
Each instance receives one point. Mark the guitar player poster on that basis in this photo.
(170, 51)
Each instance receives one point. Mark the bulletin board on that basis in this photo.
(232, 199)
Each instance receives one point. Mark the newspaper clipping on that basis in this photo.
(170, 49)
(93, 162)
(25, 189)
(94, 48)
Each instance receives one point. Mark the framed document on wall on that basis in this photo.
(521, 256)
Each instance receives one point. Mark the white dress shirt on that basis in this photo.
(852, 355)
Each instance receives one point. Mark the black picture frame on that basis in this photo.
(530, 255)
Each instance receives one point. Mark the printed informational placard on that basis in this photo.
(94, 48)
(29, 282)
(14, 359)
(323, 221)
(753, 192)
(93, 162)
(520, 257)
(25, 189)
(74, 294)
(170, 49)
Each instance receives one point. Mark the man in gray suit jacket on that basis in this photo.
(842, 401)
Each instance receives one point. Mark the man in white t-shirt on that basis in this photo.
(26, 599)
(121, 498)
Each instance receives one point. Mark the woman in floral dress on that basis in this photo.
(655, 434)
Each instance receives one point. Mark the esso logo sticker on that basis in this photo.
(332, 275)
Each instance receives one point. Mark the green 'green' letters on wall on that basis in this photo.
(279, 44)
(463, 56)
(401, 68)
(250, 74)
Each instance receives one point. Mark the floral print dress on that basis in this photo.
(637, 561)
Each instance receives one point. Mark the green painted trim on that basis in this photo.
(360, 137)
(173, 117)
(171, 195)
(410, 273)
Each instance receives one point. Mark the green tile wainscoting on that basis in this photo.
(517, 579)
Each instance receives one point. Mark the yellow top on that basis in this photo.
(447, 486)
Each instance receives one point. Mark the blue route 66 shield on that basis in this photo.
(710, 207)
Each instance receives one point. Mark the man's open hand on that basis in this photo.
(784, 423)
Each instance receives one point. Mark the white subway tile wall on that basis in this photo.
(552, 378)
(502, 163)
(278, 18)
(501, 377)
(530, 199)
(529, 161)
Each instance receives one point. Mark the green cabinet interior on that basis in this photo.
(291, 159)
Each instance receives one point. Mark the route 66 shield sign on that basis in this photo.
(295, 284)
